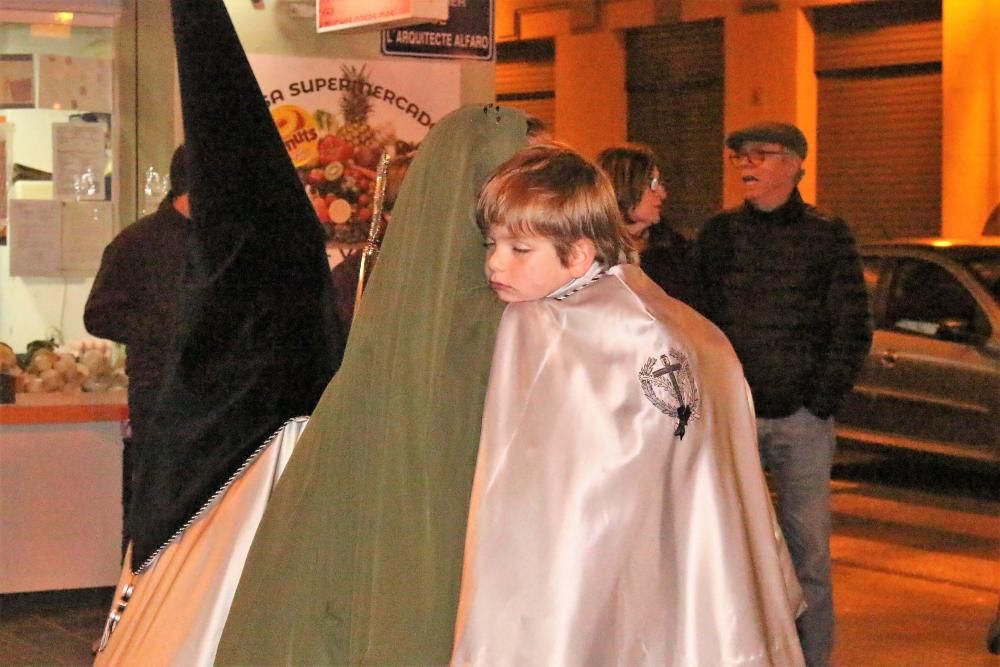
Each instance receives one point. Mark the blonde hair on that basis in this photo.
(550, 190)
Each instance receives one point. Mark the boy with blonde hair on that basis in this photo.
(619, 514)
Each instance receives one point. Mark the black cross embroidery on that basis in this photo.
(683, 409)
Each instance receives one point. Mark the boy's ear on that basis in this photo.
(581, 255)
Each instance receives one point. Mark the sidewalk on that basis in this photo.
(914, 564)
(884, 619)
(52, 627)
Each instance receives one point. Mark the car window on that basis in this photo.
(986, 269)
(924, 296)
(982, 263)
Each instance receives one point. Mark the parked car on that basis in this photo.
(931, 382)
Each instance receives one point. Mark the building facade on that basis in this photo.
(897, 97)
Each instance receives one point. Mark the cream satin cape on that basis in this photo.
(179, 604)
(596, 535)
(358, 558)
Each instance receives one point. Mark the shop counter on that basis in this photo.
(60, 491)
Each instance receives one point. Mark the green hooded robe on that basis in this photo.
(358, 558)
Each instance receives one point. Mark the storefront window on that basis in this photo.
(58, 191)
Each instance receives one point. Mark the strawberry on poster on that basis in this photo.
(337, 116)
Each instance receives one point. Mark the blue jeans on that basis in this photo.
(798, 452)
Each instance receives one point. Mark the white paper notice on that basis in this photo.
(78, 160)
(34, 237)
(74, 83)
(17, 80)
(86, 230)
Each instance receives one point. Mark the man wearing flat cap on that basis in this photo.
(784, 282)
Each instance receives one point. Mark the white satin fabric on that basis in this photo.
(596, 535)
(179, 605)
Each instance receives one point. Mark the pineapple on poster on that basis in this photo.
(336, 116)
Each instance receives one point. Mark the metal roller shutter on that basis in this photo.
(879, 157)
(886, 46)
(674, 80)
(526, 79)
(880, 117)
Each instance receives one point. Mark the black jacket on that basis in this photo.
(136, 300)
(786, 287)
(669, 262)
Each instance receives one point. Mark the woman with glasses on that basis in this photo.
(635, 173)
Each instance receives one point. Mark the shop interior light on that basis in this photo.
(93, 19)
(51, 30)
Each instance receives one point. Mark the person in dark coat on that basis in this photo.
(256, 344)
(136, 301)
(784, 282)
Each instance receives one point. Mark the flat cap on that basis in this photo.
(772, 132)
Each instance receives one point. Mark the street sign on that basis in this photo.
(468, 33)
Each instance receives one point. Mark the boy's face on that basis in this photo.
(523, 268)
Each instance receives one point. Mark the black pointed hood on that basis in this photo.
(258, 341)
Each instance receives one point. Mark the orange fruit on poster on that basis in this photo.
(298, 130)
(339, 211)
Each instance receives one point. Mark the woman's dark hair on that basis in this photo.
(629, 167)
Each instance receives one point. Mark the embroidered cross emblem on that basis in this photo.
(671, 388)
(683, 409)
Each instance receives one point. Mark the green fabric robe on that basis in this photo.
(358, 558)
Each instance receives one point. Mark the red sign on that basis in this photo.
(357, 15)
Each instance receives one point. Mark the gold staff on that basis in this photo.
(375, 229)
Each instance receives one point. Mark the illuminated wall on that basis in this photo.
(775, 79)
(970, 171)
(592, 111)
(770, 79)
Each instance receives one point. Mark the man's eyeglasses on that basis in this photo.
(752, 157)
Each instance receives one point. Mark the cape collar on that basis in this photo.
(594, 273)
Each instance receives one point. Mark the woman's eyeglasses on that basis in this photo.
(655, 182)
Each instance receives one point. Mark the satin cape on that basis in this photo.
(258, 339)
(178, 606)
(358, 557)
(598, 533)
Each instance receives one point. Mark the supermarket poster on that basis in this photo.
(337, 116)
